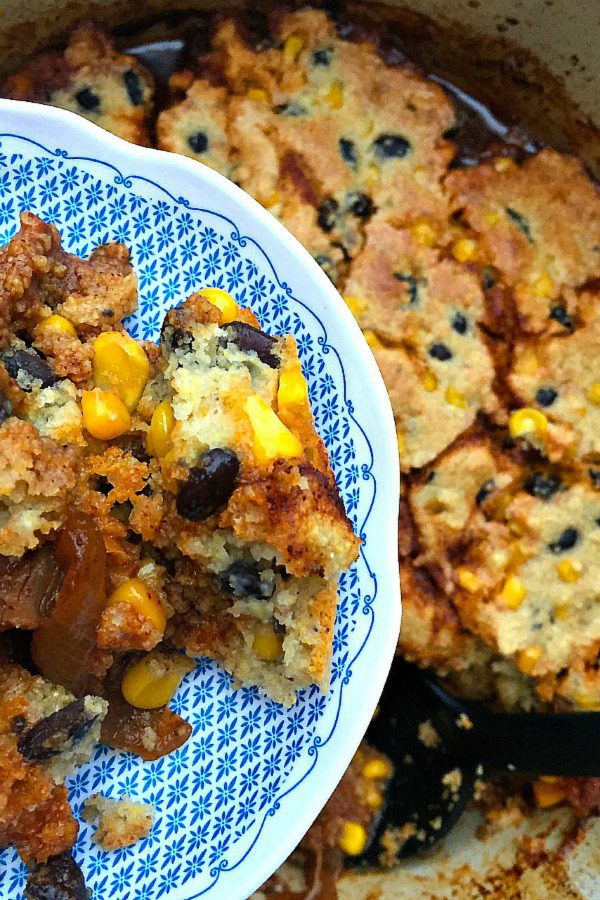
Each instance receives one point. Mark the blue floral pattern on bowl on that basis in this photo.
(248, 757)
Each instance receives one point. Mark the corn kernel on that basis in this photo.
(292, 47)
(424, 233)
(528, 362)
(258, 94)
(335, 96)
(504, 164)
(513, 593)
(528, 658)
(120, 365)
(464, 249)
(492, 217)
(104, 414)
(568, 571)
(223, 301)
(593, 394)
(377, 770)
(430, 382)
(151, 681)
(548, 791)
(544, 286)
(146, 601)
(560, 611)
(158, 441)
(587, 701)
(266, 644)
(372, 175)
(353, 839)
(374, 798)
(293, 389)
(401, 443)
(454, 398)
(272, 439)
(355, 305)
(527, 421)
(468, 580)
(56, 323)
(372, 340)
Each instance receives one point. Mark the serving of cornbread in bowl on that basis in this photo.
(173, 502)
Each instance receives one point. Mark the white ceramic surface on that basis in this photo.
(235, 800)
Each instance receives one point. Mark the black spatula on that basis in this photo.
(433, 784)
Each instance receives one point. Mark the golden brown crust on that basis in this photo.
(296, 509)
(35, 815)
(38, 479)
(92, 79)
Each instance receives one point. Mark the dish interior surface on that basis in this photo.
(250, 762)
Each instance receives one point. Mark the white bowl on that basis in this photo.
(235, 800)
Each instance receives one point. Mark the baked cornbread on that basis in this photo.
(498, 437)
(45, 734)
(93, 79)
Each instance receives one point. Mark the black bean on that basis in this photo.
(133, 85)
(489, 277)
(209, 486)
(459, 323)
(595, 476)
(58, 732)
(245, 579)
(441, 352)
(412, 286)
(198, 142)
(391, 146)
(87, 99)
(251, 339)
(566, 541)
(484, 491)
(360, 205)
(559, 314)
(30, 363)
(5, 407)
(18, 724)
(322, 57)
(348, 151)
(520, 222)
(546, 396)
(291, 109)
(326, 214)
(59, 878)
(544, 487)
(279, 627)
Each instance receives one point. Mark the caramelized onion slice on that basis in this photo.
(149, 733)
(63, 645)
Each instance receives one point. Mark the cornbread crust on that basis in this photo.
(538, 223)
(560, 376)
(38, 482)
(35, 815)
(38, 277)
(93, 79)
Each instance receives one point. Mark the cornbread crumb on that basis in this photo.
(121, 823)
